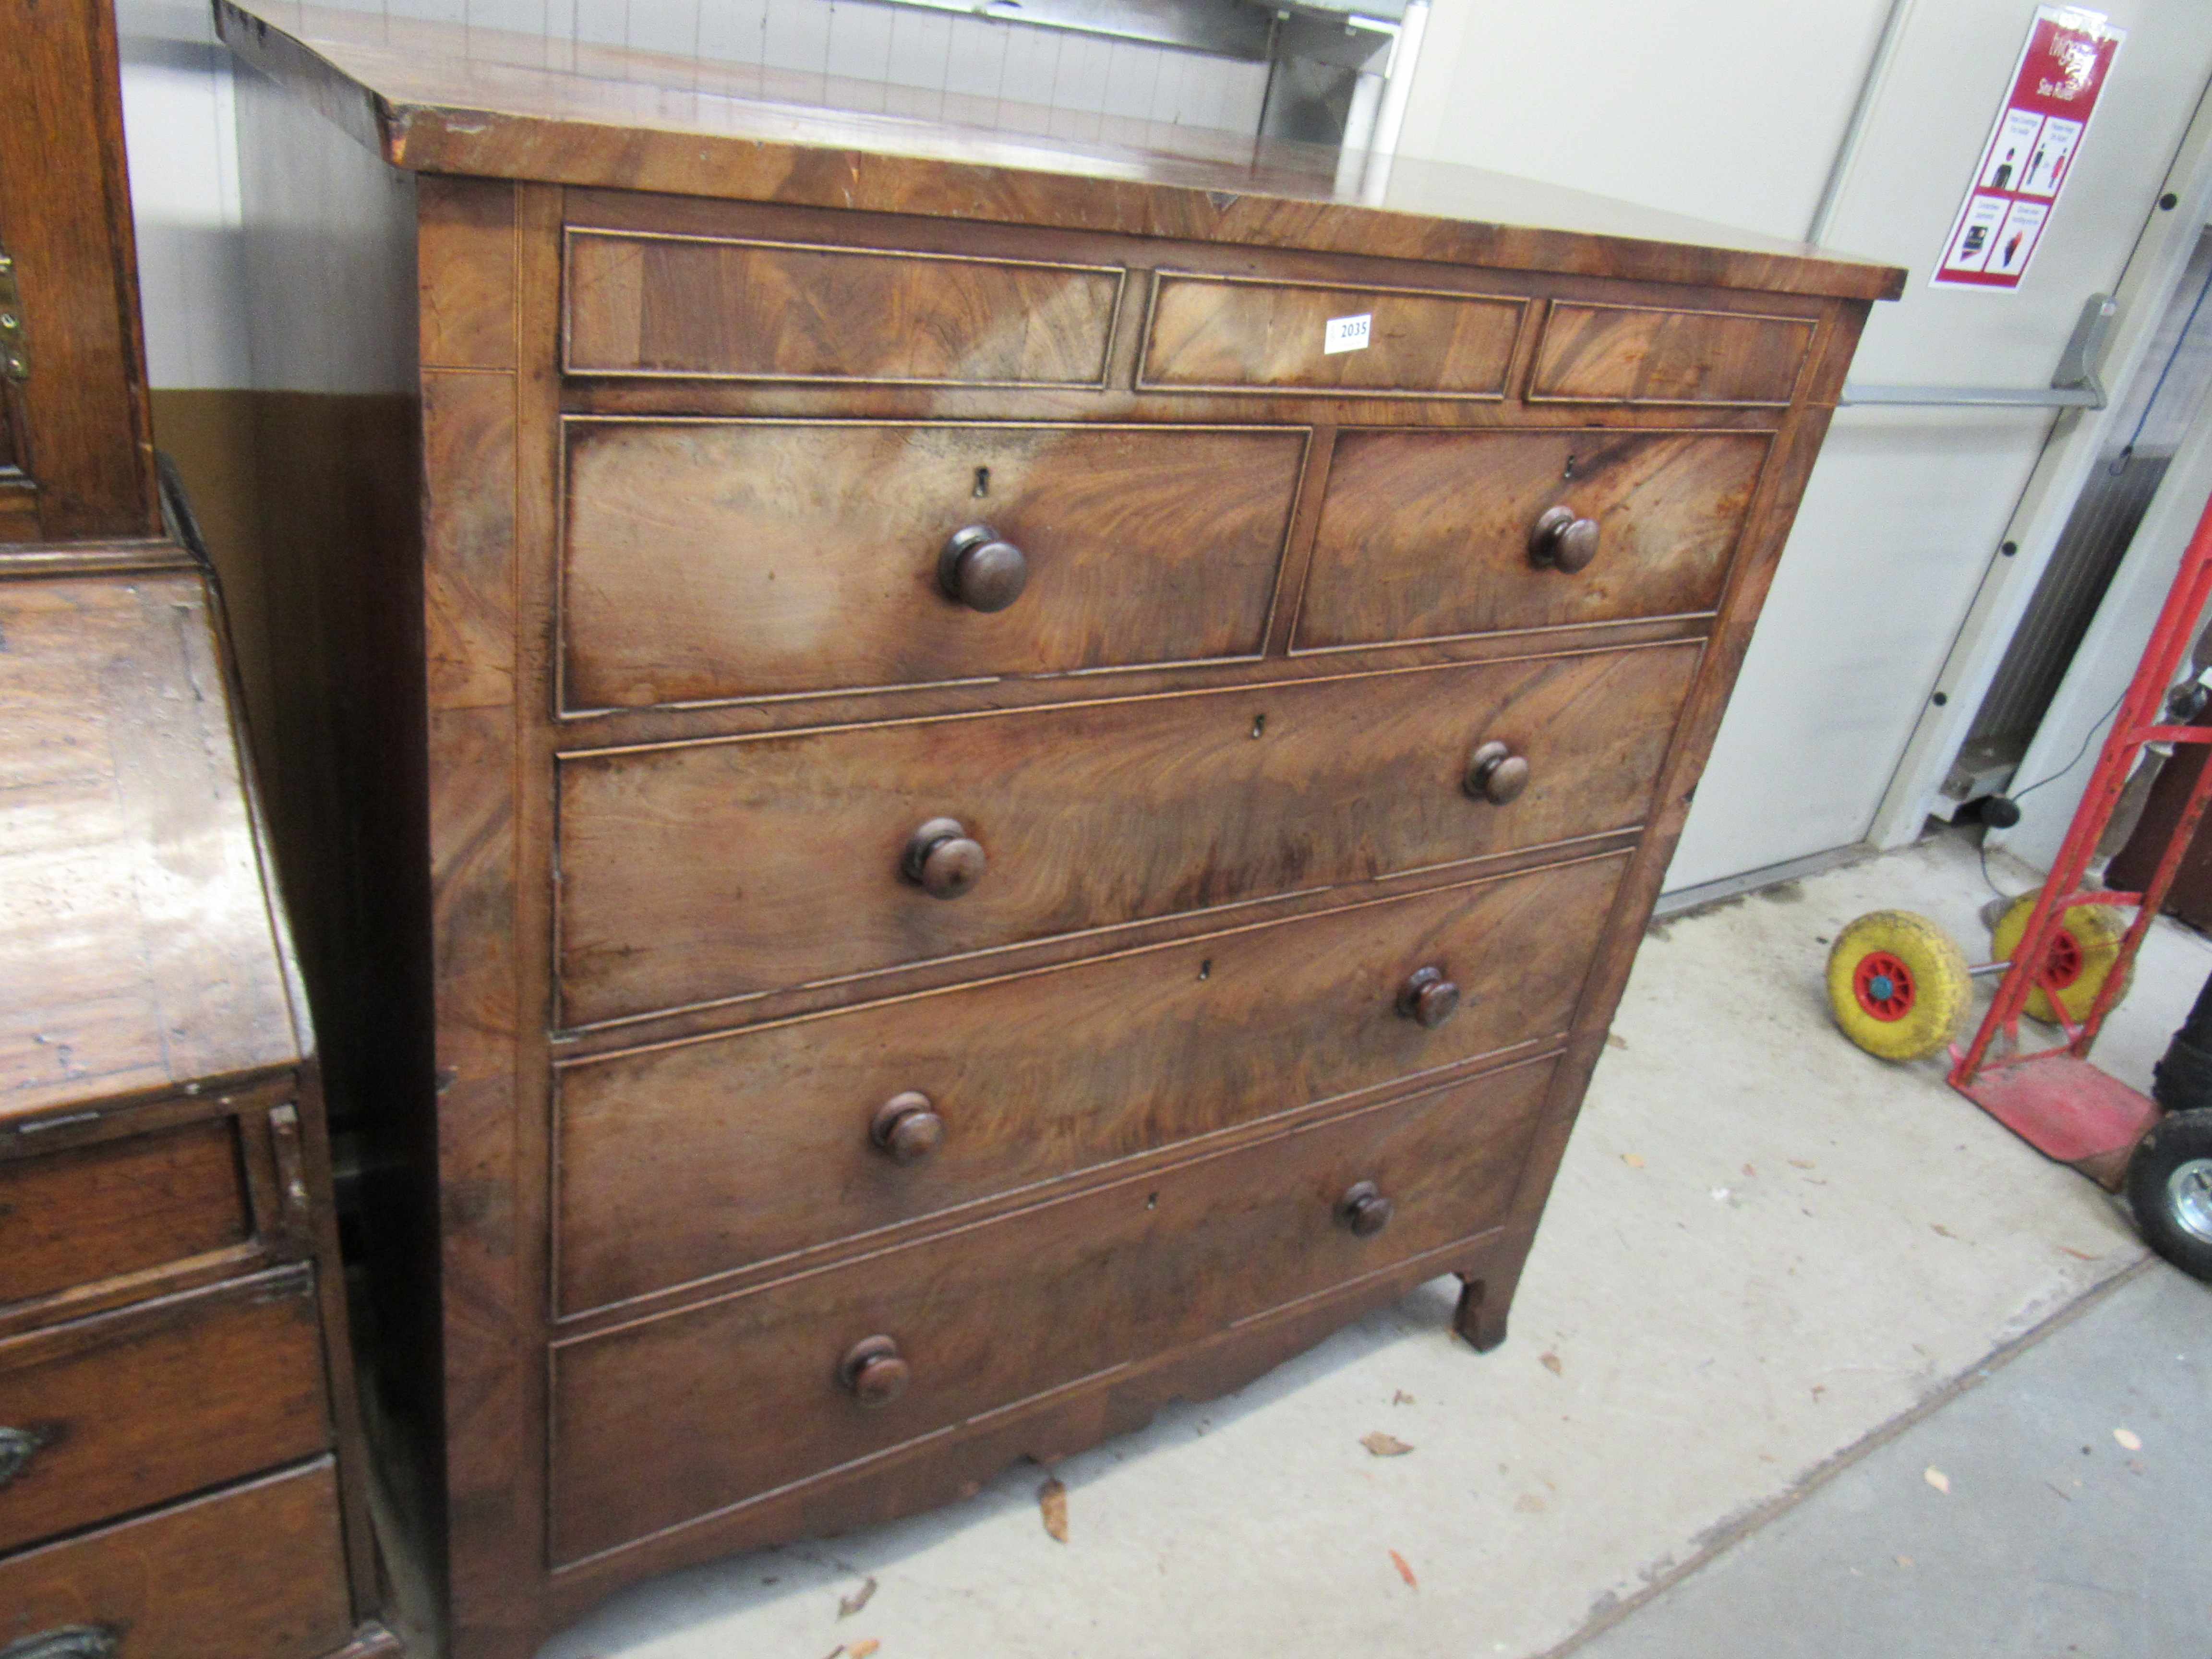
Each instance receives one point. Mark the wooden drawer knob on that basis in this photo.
(872, 1370)
(907, 1127)
(980, 570)
(1560, 541)
(1364, 1209)
(1428, 999)
(71, 1641)
(17, 1448)
(1495, 774)
(943, 860)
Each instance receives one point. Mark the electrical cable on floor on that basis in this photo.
(2097, 726)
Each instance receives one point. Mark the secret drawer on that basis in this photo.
(677, 1162)
(119, 1206)
(1244, 334)
(1426, 535)
(700, 872)
(714, 560)
(715, 307)
(661, 1421)
(249, 1572)
(119, 1412)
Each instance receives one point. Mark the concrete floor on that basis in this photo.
(1765, 1249)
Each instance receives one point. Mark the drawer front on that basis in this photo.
(1227, 333)
(672, 1418)
(118, 1206)
(725, 559)
(251, 1572)
(726, 309)
(1607, 353)
(682, 1162)
(699, 872)
(1425, 535)
(123, 1411)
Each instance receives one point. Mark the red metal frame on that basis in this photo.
(2052, 1097)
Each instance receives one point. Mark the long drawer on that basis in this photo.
(661, 1421)
(111, 1415)
(1428, 535)
(697, 872)
(707, 560)
(249, 1572)
(677, 1162)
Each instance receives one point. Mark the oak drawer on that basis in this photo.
(1425, 535)
(734, 308)
(697, 872)
(714, 559)
(677, 1162)
(128, 1409)
(119, 1206)
(668, 1418)
(1597, 353)
(249, 1572)
(1207, 333)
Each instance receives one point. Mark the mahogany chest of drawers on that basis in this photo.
(966, 827)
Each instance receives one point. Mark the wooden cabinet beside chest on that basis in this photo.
(970, 828)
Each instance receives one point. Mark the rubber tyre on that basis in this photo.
(1930, 1011)
(2096, 931)
(2175, 1141)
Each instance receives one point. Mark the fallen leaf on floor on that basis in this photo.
(1614, 1040)
(849, 1604)
(2129, 1439)
(1401, 1398)
(1819, 1388)
(1751, 1171)
(1052, 1505)
(862, 1649)
(1935, 1478)
(2079, 1255)
(1380, 1445)
(1528, 1504)
(1551, 1363)
(1404, 1571)
(1939, 1227)
(1631, 1160)
(1903, 1560)
(1800, 1163)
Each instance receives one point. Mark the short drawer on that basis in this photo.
(120, 1206)
(1425, 535)
(120, 1412)
(713, 307)
(657, 1422)
(1242, 334)
(681, 1162)
(1615, 354)
(714, 560)
(698, 872)
(254, 1571)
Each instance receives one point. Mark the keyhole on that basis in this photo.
(1259, 725)
(1205, 968)
(982, 481)
(1151, 1201)
(1568, 474)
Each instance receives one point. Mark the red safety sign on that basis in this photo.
(2038, 131)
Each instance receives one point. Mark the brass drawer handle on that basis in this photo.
(1560, 541)
(871, 1371)
(907, 1127)
(1364, 1210)
(70, 1642)
(980, 570)
(943, 859)
(1495, 774)
(1428, 999)
(17, 1448)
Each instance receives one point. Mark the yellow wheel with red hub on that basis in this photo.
(1898, 985)
(2081, 959)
